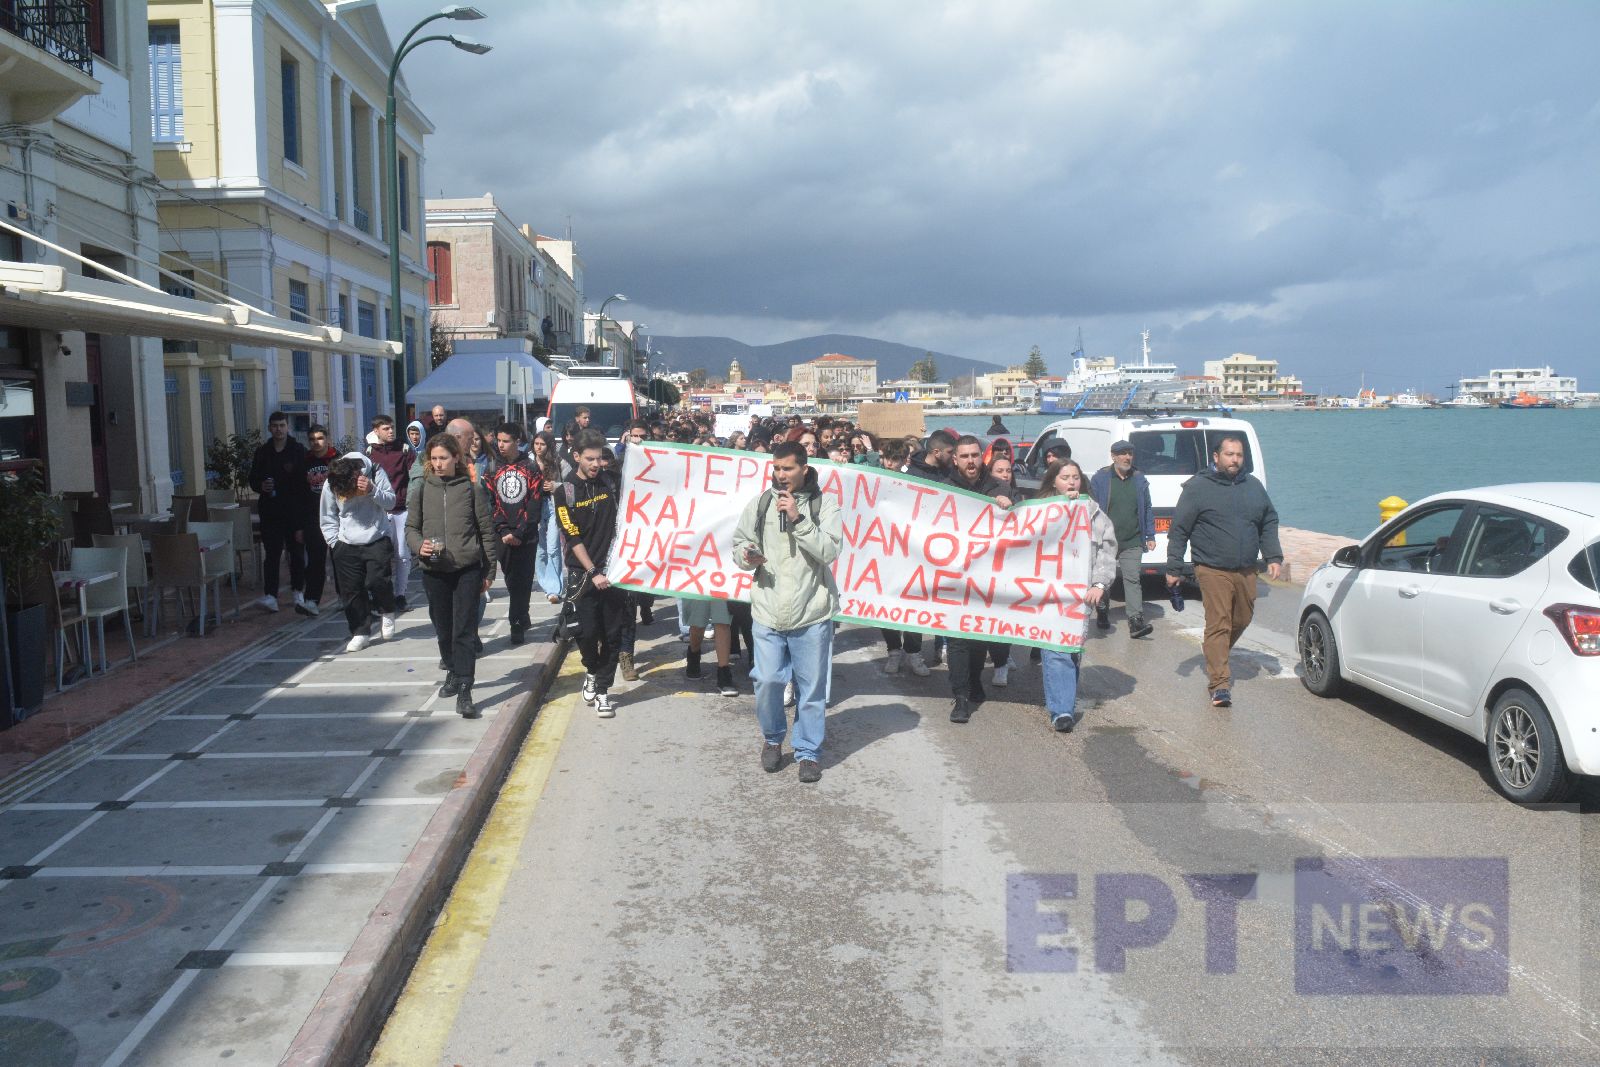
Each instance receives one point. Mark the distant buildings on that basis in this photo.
(1244, 377)
(1008, 388)
(912, 389)
(1505, 383)
(836, 380)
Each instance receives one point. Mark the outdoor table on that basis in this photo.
(128, 522)
(119, 505)
(79, 581)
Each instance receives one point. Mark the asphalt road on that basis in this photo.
(653, 897)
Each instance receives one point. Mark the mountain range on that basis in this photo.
(776, 362)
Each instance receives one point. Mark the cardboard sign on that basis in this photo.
(916, 555)
(883, 420)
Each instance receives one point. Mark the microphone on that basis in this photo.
(783, 516)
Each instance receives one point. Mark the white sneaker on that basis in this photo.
(892, 664)
(310, 608)
(299, 599)
(357, 643)
(386, 626)
(269, 602)
(588, 689)
(1002, 676)
(789, 699)
(919, 666)
(603, 708)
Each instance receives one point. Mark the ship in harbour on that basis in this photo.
(1093, 381)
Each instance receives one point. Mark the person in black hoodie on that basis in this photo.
(284, 501)
(516, 488)
(933, 462)
(967, 656)
(313, 472)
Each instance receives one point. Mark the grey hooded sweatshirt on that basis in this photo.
(360, 520)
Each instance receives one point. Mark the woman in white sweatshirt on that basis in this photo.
(354, 513)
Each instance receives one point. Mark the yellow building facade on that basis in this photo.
(270, 141)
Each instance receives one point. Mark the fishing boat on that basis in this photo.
(1465, 400)
(1525, 401)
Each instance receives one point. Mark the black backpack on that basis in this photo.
(764, 505)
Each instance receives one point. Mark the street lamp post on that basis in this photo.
(402, 369)
(600, 327)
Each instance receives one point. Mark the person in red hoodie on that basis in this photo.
(314, 471)
(517, 489)
(394, 457)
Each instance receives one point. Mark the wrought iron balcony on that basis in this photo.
(59, 27)
(516, 322)
(362, 219)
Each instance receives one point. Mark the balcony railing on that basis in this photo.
(363, 220)
(59, 27)
(516, 322)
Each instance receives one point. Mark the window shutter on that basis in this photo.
(166, 84)
(440, 289)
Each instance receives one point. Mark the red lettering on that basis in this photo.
(635, 508)
(945, 584)
(649, 465)
(983, 593)
(866, 492)
(933, 555)
(921, 491)
(869, 575)
(713, 472)
(948, 512)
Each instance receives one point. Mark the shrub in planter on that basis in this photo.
(29, 528)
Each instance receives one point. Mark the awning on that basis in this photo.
(46, 297)
(467, 381)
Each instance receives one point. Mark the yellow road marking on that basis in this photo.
(420, 1024)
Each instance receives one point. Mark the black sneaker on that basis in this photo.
(810, 771)
(646, 616)
(725, 682)
(962, 710)
(771, 757)
(1063, 724)
(691, 667)
(1137, 627)
(464, 706)
(516, 635)
(451, 686)
(444, 664)
(1102, 618)
(399, 603)
(1222, 698)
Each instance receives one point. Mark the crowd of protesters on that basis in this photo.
(541, 510)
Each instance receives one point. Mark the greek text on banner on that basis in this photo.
(916, 555)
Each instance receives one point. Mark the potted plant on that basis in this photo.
(228, 462)
(29, 528)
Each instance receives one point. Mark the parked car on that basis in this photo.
(1169, 449)
(1480, 609)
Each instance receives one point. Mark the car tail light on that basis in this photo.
(1188, 424)
(1579, 625)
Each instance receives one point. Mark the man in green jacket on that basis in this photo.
(789, 537)
(1227, 522)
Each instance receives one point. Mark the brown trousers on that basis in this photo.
(1229, 598)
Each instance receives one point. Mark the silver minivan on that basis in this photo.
(1168, 449)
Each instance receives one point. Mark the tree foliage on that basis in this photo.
(924, 369)
(697, 378)
(228, 461)
(663, 392)
(440, 346)
(1035, 367)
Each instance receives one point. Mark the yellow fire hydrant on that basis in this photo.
(1388, 508)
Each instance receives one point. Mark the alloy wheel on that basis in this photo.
(1516, 746)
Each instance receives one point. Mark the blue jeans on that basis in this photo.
(805, 654)
(548, 569)
(1061, 682)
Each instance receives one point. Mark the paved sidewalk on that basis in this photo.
(185, 891)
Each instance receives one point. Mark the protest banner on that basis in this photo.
(917, 555)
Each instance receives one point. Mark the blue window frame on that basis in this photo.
(166, 83)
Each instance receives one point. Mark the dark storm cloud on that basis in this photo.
(1322, 183)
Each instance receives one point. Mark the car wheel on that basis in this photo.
(1524, 752)
(1319, 656)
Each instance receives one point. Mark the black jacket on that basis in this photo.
(290, 498)
(987, 484)
(919, 465)
(1228, 523)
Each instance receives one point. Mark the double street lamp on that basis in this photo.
(600, 327)
(461, 13)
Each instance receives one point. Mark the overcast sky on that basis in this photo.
(1404, 188)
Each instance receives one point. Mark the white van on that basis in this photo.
(606, 391)
(1168, 449)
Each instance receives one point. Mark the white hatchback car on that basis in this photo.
(1480, 609)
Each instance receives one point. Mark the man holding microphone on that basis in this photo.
(789, 537)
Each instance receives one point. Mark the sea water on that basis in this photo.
(1327, 470)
